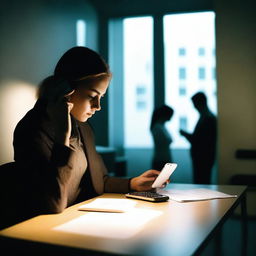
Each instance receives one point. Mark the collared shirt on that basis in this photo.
(80, 184)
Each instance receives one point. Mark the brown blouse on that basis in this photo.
(73, 186)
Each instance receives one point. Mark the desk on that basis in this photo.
(168, 228)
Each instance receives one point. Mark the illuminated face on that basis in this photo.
(86, 100)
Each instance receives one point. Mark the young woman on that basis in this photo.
(161, 137)
(54, 144)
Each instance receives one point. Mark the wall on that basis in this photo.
(236, 65)
(34, 34)
(121, 8)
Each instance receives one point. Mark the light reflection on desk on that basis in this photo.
(110, 225)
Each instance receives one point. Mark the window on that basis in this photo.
(141, 105)
(183, 123)
(201, 73)
(141, 97)
(138, 80)
(198, 31)
(182, 91)
(182, 73)
(187, 37)
(141, 90)
(201, 51)
(80, 33)
(213, 73)
(182, 51)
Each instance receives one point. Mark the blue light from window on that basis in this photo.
(80, 33)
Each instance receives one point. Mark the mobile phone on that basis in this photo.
(164, 175)
(148, 196)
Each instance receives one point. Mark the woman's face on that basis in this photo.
(86, 99)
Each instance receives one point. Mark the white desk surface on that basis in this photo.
(166, 228)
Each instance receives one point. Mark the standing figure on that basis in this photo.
(202, 140)
(161, 137)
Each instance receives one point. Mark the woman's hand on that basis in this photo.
(59, 109)
(145, 180)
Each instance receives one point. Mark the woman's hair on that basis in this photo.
(45, 87)
(78, 66)
(163, 113)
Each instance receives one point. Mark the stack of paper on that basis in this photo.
(194, 194)
(108, 205)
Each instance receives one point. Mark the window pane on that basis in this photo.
(195, 34)
(182, 73)
(182, 51)
(138, 80)
(201, 73)
(182, 91)
(201, 51)
(80, 33)
(183, 123)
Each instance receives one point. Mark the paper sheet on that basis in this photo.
(110, 225)
(108, 205)
(191, 195)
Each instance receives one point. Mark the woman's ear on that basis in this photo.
(69, 95)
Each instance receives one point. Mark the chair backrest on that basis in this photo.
(9, 194)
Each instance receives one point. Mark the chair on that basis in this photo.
(10, 195)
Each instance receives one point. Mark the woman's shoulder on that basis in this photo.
(35, 119)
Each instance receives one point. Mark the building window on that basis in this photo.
(141, 105)
(138, 80)
(201, 73)
(214, 73)
(183, 123)
(182, 51)
(140, 90)
(201, 51)
(141, 97)
(182, 91)
(182, 73)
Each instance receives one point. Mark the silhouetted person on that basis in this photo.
(161, 137)
(202, 140)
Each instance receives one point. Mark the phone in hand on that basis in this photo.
(164, 175)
